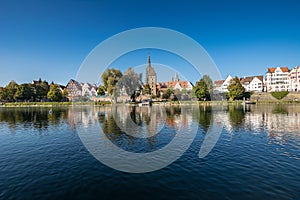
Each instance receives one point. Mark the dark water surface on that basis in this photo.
(257, 155)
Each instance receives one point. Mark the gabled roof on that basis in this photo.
(172, 84)
(283, 69)
(219, 82)
(261, 78)
(250, 78)
(62, 87)
(74, 83)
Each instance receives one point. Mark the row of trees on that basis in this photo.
(38, 91)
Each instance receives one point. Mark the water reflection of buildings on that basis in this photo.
(130, 119)
(280, 122)
(82, 116)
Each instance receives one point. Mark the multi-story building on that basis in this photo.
(294, 79)
(88, 89)
(253, 83)
(74, 89)
(277, 79)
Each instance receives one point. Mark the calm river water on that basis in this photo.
(250, 152)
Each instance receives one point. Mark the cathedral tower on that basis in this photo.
(151, 77)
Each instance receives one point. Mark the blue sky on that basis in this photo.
(50, 39)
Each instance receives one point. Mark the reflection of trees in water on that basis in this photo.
(280, 109)
(58, 115)
(236, 116)
(38, 118)
(173, 110)
(110, 128)
(121, 139)
(136, 117)
(172, 114)
(140, 116)
(205, 117)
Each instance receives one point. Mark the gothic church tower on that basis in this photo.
(151, 77)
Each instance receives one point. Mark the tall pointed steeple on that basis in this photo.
(151, 76)
(149, 60)
(176, 77)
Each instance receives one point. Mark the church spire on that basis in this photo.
(149, 61)
(176, 77)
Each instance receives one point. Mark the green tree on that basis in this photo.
(101, 90)
(184, 91)
(201, 90)
(64, 94)
(3, 94)
(235, 89)
(41, 90)
(110, 78)
(11, 89)
(146, 89)
(168, 93)
(131, 82)
(24, 92)
(209, 83)
(54, 93)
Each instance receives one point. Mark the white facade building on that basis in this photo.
(88, 89)
(294, 79)
(277, 79)
(220, 86)
(253, 83)
(183, 85)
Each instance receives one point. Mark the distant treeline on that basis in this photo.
(36, 91)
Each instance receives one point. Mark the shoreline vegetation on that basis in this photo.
(207, 103)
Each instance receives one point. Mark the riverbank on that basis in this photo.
(203, 103)
(52, 104)
(238, 102)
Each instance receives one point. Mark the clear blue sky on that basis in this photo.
(50, 39)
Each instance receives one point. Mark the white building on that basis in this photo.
(88, 89)
(253, 83)
(220, 86)
(294, 79)
(180, 85)
(277, 79)
(76, 90)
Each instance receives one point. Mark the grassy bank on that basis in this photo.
(208, 103)
(52, 104)
(239, 102)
